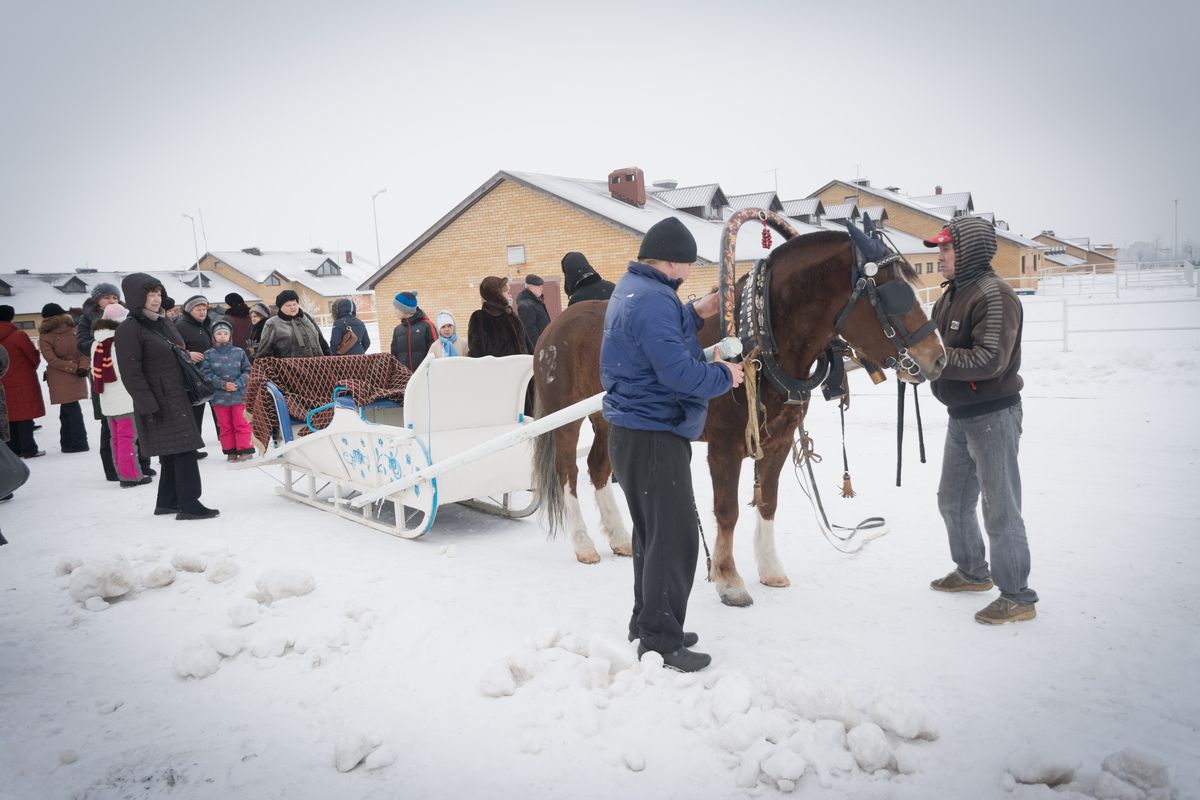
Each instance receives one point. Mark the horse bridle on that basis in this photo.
(891, 302)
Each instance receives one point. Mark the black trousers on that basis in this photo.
(198, 413)
(656, 476)
(72, 432)
(179, 482)
(21, 439)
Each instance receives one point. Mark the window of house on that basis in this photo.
(25, 324)
(327, 269)
(516, 255)
(941, 268)
(928, 267)
(1022, 265)
(271, 281)
(5, 289)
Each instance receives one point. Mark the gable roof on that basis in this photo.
(805, 207)
(959, 201)
(300, 267)
(32, 291)
(841, 211)
(708, 194)
(592, 197)
(767, 200)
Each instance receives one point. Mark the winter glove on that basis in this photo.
(81, 372)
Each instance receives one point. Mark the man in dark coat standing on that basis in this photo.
(531, 308)
(196, 329)
(581, 281)
(162, 412)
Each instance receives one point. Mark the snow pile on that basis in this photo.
(770, 731)
(278, 584)
(102, 580)
(189, 562)
(1130, 774)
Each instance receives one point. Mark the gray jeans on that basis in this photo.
(981, 452)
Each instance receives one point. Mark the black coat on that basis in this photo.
(412, 338)
(534, 316)
(150, 372)
(83, 327)
(495, 329)
(197, 336)
(581, 282)
(345, 319)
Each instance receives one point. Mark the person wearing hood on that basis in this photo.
(291, 333)
(162, 411)
(195, 326)
(227, 369)
(495, 329)
(21, 386)
(349, 336)
(66, 375)
(980, 320)
(581, 282)
(414, 337)
(448, 334)
(531, 308)
(115, 402)
(259, 314)
(237, 314)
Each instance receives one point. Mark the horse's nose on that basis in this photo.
(938, 366)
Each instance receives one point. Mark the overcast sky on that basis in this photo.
(278, 121)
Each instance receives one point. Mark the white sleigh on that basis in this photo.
(465, 439)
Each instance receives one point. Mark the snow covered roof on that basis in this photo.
(959, 201)
(327, 274)
(693, 196)
(990, 216)
(841, 211)
(767, 200)
(905, 243)
(877, 212)
(32, 291)
(803, 208)
(593, 197)
(1063, 259)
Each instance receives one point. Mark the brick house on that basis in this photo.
(1077, 250)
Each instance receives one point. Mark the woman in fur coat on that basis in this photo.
(495, 329)
(66, 374)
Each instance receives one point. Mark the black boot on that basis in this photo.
(682, 660)
(689, 639)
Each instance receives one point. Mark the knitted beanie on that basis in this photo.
(193, 301)
(406, 302)
(222, 326)
(669, 240)
(102, 289)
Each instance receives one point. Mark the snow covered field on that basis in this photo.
(483, 661)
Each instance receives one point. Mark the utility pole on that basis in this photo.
(1175, 245)
(195, 247)
(375, 214)
(203, 231)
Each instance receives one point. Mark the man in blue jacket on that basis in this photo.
(658, 387)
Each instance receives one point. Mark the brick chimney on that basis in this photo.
(628, 185)
(937, 190)
(349, 257)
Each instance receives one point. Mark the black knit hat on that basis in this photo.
(7, 313)
(533, 280)
(285, 296)
(234, 299)
(52, 310)
(669, 240)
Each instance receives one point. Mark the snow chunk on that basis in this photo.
(67, 565)
(159, 577)
(523, 665)
(189, 562)
(783, 765)
(907, 760)
(1139, 768)
(221, 569)
(634, 760)
(1110, 787)
(545, 638)
(380, 758)
(227, 643)
(731, 696)
(498, 681)
(270, 647)
(1036, 766)
(197, 661)
(104, 580)
(902, 714)
(869, 746)
(350, 751)
(814, 701)
(95, 604)
(68, 757)
(620, 655)
(277, 584)
(243, 614)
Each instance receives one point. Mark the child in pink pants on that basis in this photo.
(227, 369)
(115, 403)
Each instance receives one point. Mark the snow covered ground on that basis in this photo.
(261, 654)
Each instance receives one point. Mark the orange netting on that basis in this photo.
(307, 383)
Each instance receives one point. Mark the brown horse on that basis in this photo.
(812, 284)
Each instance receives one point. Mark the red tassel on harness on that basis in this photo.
(766, 238)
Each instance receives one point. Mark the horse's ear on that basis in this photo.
(871, 248)
(868, 225)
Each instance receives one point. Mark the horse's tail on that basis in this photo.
(545, 477)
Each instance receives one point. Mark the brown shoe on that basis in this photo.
(955, 582)
(1002, 610)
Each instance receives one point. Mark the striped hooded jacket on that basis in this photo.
(980, 319)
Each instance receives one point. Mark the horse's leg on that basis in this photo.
(724, 464)
(566, 440)
(600, 470)
(766, 470)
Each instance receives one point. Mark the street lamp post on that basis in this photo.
(1175, 245)
(195, 247)
(375, 214)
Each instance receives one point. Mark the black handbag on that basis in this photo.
(198, 389)
(13, 471)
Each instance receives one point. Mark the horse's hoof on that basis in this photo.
(778, 581)
(591, 557)
(739, 598)
(623, 549)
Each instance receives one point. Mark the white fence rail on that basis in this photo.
(1059, 319)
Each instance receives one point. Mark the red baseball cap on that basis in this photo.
(939, 238)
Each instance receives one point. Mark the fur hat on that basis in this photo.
(668, 240)
(260, 309)
(115, 312)
(533, 280)
(222, 326)
(234, 299)
(102, 289)
(406, 302)
(52, 310)
(285, 296)
(193, 301)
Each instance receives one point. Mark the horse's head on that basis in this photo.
(882, 318)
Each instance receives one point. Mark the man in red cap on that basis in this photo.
(980, 317)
